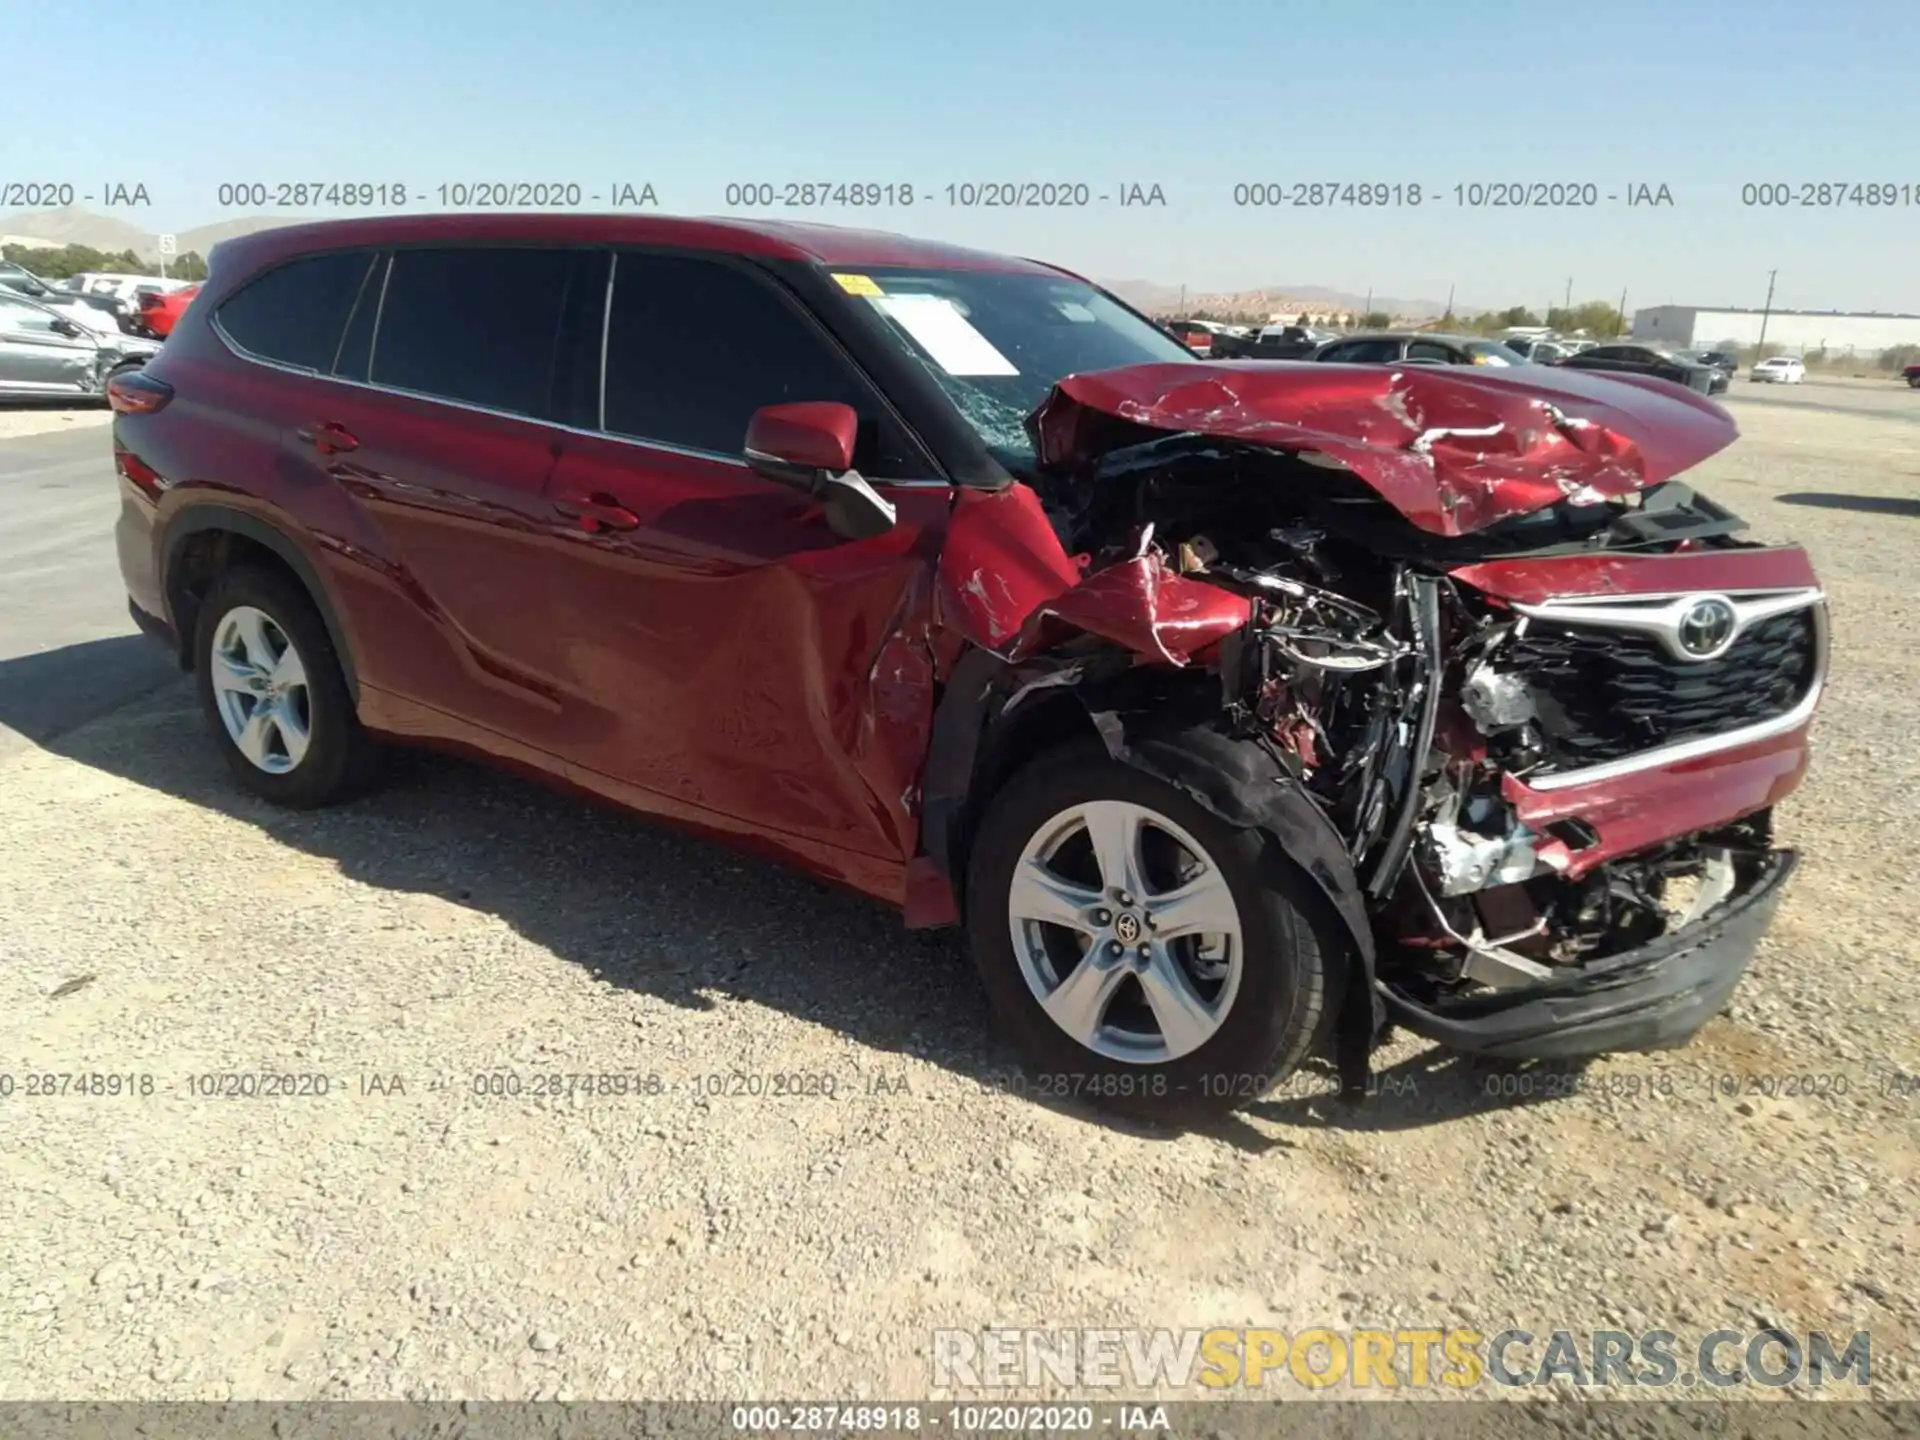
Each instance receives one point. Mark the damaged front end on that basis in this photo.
(1518, 701)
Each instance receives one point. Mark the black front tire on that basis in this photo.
(1292, 969)
(341, 760)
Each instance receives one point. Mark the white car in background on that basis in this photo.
(1780, 370)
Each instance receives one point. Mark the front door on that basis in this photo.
(718, 646)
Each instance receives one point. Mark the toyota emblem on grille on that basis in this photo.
(1706, 628)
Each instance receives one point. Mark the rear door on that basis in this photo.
(720, 649)
(462, 363)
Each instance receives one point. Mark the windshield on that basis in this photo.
(998, 342)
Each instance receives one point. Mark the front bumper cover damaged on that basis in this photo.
(1655, 997)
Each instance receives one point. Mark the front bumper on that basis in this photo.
(1652, 998)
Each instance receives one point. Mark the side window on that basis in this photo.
(1430, 350)
(294, 313)
(19, 318)
(1367, 352)
(695, 346)
(482, 326)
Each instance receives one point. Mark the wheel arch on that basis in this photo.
(994, 715)
(202, 541)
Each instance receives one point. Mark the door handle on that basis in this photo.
(596, 512)
(329, 438)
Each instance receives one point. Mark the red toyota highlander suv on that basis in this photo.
(1237, 709)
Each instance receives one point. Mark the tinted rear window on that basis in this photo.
(480, 326)
(294, 313)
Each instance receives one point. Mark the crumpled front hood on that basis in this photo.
(1453, 448)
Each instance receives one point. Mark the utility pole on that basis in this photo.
(1449, 300)
(1623, 310)
(1760, 350)
(1369, 310)
(1183, 299)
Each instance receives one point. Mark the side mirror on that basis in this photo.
(60, 325)
(809, 447)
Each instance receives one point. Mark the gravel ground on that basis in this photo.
(18, 419)
(401, 1235)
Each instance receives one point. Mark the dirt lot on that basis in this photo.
(402, 1234)
(23, 419)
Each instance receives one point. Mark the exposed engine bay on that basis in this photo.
(1399, 698)
(1485, 713)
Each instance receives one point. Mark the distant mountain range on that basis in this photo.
(73, 225)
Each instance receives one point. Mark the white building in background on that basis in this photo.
(1793, 332)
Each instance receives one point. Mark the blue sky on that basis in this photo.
(1701, 97)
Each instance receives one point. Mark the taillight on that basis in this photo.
(143, 475)
(135, 393)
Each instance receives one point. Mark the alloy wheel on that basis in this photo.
(260, 689)
(1126, 932)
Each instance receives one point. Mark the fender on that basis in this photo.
(193, 519)
(1006, 585)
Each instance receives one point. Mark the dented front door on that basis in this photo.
(725, 652)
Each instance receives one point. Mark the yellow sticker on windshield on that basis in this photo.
(858, 285)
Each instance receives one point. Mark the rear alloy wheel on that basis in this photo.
(260, 689)
(1143, 953)
(274, 694)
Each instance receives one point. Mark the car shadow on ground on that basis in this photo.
(638, 905)
(1868, 504)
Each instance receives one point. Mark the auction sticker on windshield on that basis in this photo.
(857, 284)
(946, 335)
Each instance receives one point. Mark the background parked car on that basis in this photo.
(1389, 347)
(1912, 376)
(92, 312)
(1196, 335)
(1539, 351)
(1271, 342)
(46, 351)
(1647, 360)
(1720, 359)
(1780, 370)
(22, 281)
(159, 313)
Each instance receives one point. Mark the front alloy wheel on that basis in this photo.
(1125, 932)
(1139, 950)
